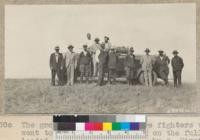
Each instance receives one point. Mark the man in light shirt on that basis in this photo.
(70, 64)
(95, 52)
(147, 66)
(56, 66)
(89, 41)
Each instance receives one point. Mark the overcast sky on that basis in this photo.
(31, 32)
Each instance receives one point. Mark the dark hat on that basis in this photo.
(70, 47)
(85, 46)
(57, 48)
(106, 37)
(96, 39)
(147, 50)
(160, 51)
(175, 52)
(131, 49)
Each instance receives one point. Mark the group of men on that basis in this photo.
(97, 59)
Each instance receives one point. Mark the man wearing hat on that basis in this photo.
(147, 66)
(112, 64)
(103, 58)
(161, 66)
(70, 64)
(130, 67)
(177, 66)
(94, 51)
(56, 66)
(85, 61)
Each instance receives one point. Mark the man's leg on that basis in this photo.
(100, 76)
(179, 77)
(58, 72)
(53, 76)
(146, 78)
(150, 78)
(175, 78)
(72, 69)
(82, 73)
(87, 73)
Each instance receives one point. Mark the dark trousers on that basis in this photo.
(101, 74)
(112, 75)
(55, 72)
(177, 77)
(131, 75)
(85, 72)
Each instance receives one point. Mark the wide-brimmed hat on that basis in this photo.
(175, 52)
(147, 50)
(96, 39)
(160, 51)
(57, 48)
(70, 47)
(106, 37)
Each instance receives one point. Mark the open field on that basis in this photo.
(38, 96)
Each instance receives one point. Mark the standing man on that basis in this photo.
(95, 50)
(103, 57)
(70, 64)
(177, 66)
(56, 66)
(147, 66)
(161, 63)
(130, 67)
(107, 44)
(85, 61)
(112, 64)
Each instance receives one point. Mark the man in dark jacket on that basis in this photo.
(103, 57)
(130, 67)
(85, 61)
(55, 63)
(161, 64)
(177, 66)
(112, 64)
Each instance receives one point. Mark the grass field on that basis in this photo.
(38, 96)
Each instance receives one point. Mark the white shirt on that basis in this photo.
(56, 54)
(89, 43)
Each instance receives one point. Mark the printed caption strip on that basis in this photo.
(99, 127)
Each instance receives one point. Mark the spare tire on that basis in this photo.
(141, 78)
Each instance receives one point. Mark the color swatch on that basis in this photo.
(99, 122)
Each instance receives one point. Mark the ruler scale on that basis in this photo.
(99, 127)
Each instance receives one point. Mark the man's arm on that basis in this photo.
(51, 61)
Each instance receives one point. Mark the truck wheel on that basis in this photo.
(141, 78)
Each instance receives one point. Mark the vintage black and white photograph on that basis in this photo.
(100, 58)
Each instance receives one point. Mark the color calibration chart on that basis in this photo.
(99, 127)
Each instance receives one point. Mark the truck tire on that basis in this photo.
(141, 78)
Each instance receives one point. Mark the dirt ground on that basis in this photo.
(38, 96)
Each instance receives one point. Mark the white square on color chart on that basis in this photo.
(140, 118)
(80, 126)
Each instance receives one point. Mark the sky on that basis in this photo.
(32, 31)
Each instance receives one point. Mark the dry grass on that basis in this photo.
(37, 96)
